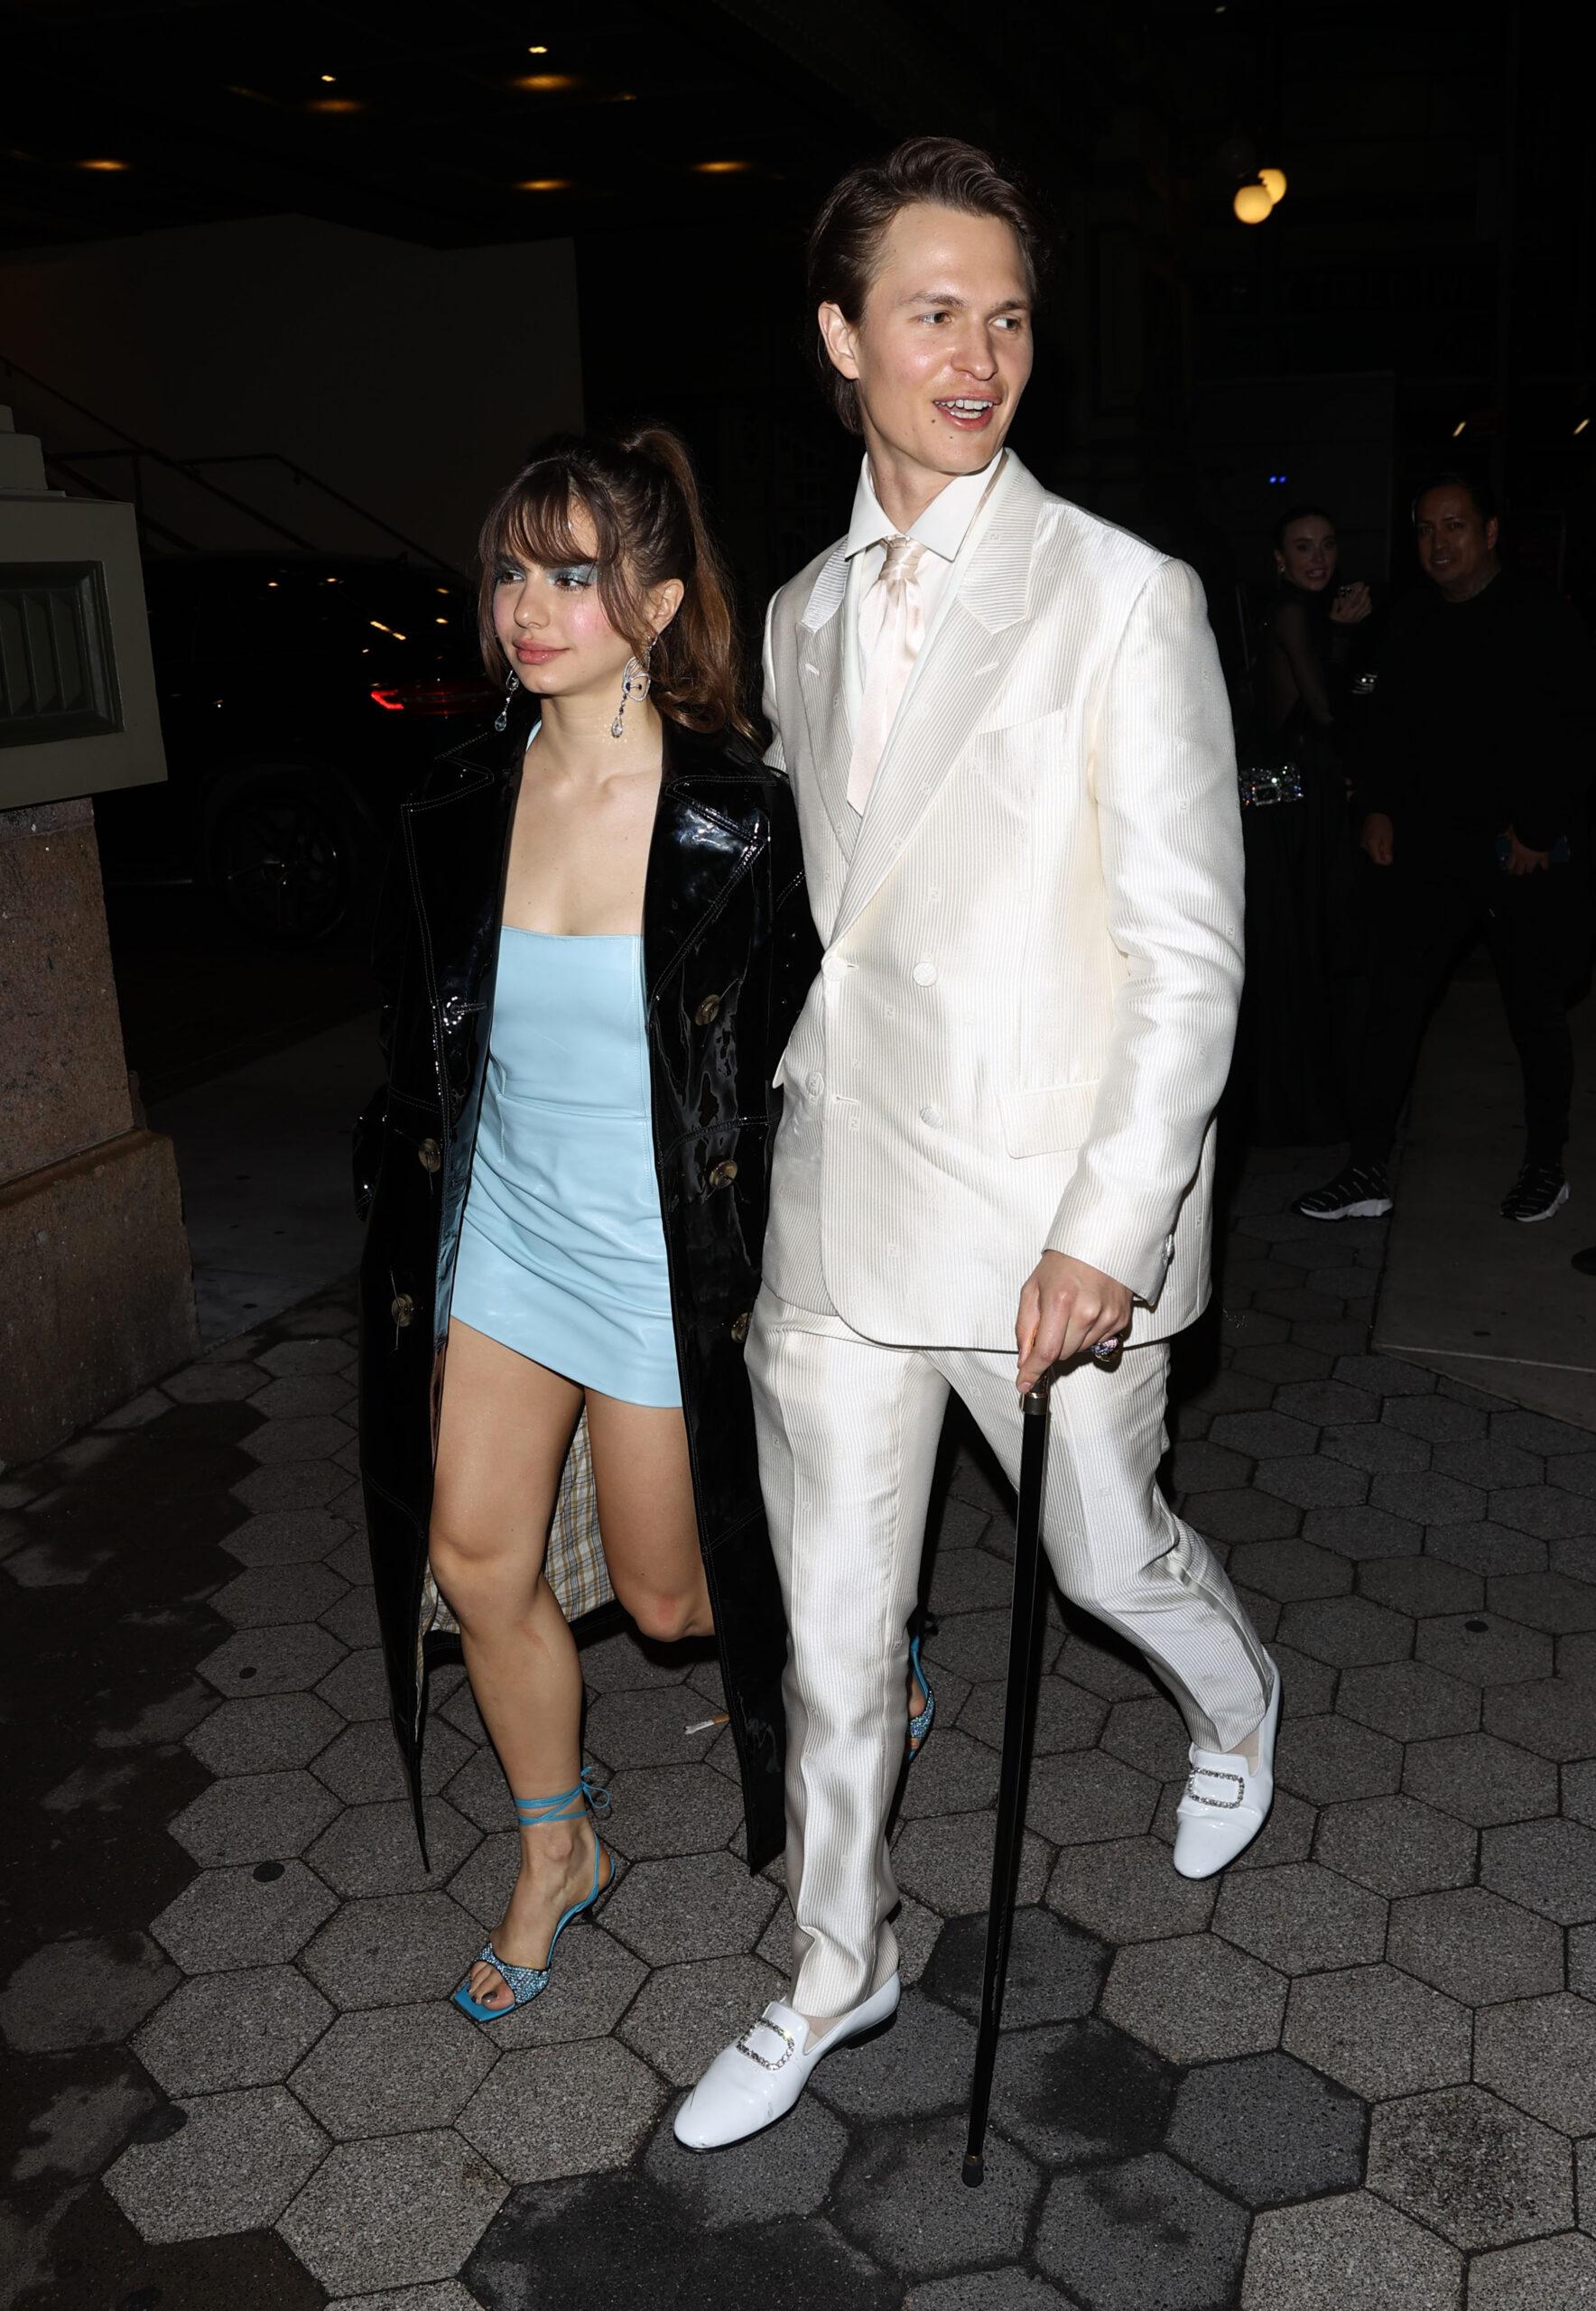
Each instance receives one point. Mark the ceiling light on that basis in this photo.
(103, 168)
(720, 168)
(330, 80)
(537, 51)
(335, 105)
(1459, 427)
(441, 621)
(1252, 204)
(545, 184)
(1581, 425)
(547, 84)
(1274, 183)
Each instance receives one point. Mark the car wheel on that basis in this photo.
(289, 859)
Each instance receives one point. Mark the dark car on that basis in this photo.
(300, 697)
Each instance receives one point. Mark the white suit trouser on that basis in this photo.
(848, 1434)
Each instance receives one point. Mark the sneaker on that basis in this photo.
(1362, 1191)
(1538, 1192)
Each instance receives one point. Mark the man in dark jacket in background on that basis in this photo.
(1475, 794)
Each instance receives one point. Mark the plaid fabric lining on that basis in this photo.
(575, 1562)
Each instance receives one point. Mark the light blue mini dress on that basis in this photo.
(562, 1249)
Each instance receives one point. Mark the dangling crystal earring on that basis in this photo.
(635, 683)
(502, 719)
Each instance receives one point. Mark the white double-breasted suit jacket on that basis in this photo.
(1033, 937)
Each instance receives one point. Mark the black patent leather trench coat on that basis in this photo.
(728, 952)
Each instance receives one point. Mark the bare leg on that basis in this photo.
(646, 1514)
(505, 1428)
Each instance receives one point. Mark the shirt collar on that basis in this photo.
(942, 527)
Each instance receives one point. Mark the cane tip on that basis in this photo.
(975, 2169)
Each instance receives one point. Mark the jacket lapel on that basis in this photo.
(967, 659)
(703, 839)
(819, 639)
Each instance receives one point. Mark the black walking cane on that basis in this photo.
(1019, 1720)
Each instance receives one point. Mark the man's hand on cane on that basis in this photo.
(1066, 1307)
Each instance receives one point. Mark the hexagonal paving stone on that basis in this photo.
(1440, 1418)
(353, 1618)
(1201, 1467)
(1431, 1499)
(358, 1687)
(788, 2170)
(1127, 2237)
(1081, 2093)
(389, 2213)
(1378, 2031)
(1397, 1846)
(1547, 1866)
(1417, 1585)
(373, 1849)
(399, 1948)
(1321, 1758)
(1242, 1514)
(702, 1906)
(957, 1774)
(927, 2040)
(1055, 1971)
(646, 1727)
(1351, 2251)
(975, 1646)
(259, 1817)
(234, 2165)
(1480, 1779)
(243, 1917)
(1268, 2129)
(948, 1864)
(85, 1991)
(1326, 1401)
(1313, 1483)
(685, 2014)
(277, 1731)
(1540, 2054)
(897, 2197)
(1550, 2271)
(298, 1393)
(1547, 1511)
(1308, 1688)
(272, 1660)
(1476, 1946)
(1067, 1717)
(1408, 1700)
(1125, 1890)
(1486, 1548)
(315, 1437)
(1076, 1798)
(1195, 1999)
(287, 1536)
(1490, 1464)
(1546, 1600)
(1290, 1570)
(1557, 1719)
(1485, 1650)
(233, 2029)
(1359, 1532)
(1264, 1435)
(1574, 1472)
(296, 1484)
(1477, 2171)
(395, 2070)
(1114, 1672)
(1148, 1735)
(266, 1596)
(540, 2115)
(1372, 1446)
(362, 1766)
(1345, 1630)
(205, 1383)
(1302, 1917)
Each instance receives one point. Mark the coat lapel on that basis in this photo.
(967, 660)
(701, 823)
(819, 639)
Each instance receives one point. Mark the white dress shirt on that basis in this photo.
(942, 529)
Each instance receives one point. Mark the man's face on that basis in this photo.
(1456, 545)
(942, 351)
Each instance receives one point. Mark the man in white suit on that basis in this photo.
(1006, 731)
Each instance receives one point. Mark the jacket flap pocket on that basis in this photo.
(1040, 1123)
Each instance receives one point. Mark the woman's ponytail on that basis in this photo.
(696, 671)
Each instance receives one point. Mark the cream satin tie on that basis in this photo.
(892, 627)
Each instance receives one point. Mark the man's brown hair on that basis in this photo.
(845, 240)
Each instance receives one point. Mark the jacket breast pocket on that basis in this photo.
(1047, 1121)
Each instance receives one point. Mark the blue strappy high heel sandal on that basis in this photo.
(920, 1726)
(527, 1982)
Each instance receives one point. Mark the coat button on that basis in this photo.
(740, 1328)
(814, 1083)
(403, 1309)
(429, 1155)
(708, 1012)
(932, 1116)
(924, 973)
(723, 1174)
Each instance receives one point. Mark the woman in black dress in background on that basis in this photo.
(1288, 1075)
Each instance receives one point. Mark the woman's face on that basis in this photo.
(551, 623)
(1307, 554)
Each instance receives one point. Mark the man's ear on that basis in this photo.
(841, 339)
(1492, 529)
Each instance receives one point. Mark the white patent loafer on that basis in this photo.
(759, 2078)
(1227, 1802)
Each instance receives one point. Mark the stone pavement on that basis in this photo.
(1356, 2074)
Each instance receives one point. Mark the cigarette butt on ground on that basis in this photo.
(708, 1724)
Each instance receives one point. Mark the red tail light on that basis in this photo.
(449, 694)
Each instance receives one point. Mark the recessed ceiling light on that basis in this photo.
(537, 51)
(1459, 427)
(330, 80)
(103, 168)
(720, 168)
(545, 184)
(335, 105)
(1581, 425)
(547, 84)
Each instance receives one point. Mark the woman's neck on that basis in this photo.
(575, 738)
